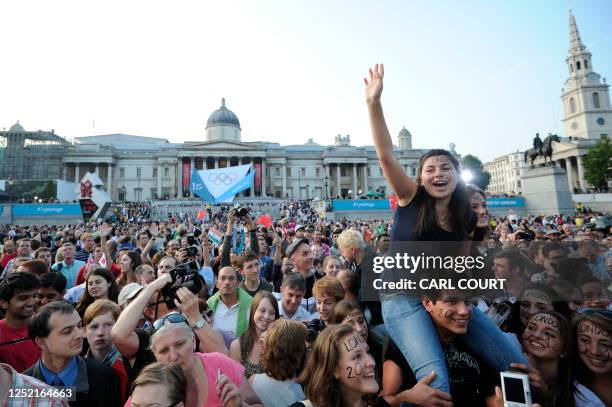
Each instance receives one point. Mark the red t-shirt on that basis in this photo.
(115, 271)
(16, 348)
(6, 258)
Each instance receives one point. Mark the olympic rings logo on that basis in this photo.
(222, 178)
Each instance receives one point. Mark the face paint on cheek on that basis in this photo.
(354, 371)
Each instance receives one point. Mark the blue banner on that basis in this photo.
(46, 210)
(360, 204)
(516, 202)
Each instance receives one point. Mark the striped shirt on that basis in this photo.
(22, 382)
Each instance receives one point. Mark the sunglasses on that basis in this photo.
(171, 318)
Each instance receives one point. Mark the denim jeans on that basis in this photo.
(415, 335)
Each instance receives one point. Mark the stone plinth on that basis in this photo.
(546, 192)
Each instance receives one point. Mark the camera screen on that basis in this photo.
(514, 390)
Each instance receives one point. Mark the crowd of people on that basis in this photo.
(232, 310)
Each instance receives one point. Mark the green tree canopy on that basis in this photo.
(480, 177)
(597, 164)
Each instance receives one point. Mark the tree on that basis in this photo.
(597, 164)
(480, 177)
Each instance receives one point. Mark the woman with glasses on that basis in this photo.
(247, 349)
(592, 361)
(160, 384)
(213, 379)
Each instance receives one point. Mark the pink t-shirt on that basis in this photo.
(212, 361)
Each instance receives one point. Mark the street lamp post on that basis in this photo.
(326, 184)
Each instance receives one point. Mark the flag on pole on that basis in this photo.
(215, 236)
(265, 220)
(222, 184)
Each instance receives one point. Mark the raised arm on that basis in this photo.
(404, 187)
(104, 233)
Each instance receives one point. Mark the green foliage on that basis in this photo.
(597, 164)
(481, 178)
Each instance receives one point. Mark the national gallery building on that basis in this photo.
(135, 168)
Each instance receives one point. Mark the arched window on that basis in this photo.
(586, 64)
(578, 65)
(572, 105)
(596, 100)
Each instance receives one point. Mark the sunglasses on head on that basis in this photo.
(171, 318)
(594, 311)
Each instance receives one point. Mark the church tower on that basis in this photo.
(586, 101)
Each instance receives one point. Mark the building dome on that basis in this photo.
(17, 128)
(404, 132)
(223, 117)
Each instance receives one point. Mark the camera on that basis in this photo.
(314, 326)
(241, 211)
(515, 389)
(192, 251)
(184, 275)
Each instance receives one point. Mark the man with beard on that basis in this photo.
(18, 298)
(9, 251)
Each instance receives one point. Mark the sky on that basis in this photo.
(485, 75)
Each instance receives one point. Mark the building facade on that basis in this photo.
(135, 168)
(506, 173)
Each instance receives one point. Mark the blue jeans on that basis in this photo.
(415, 335)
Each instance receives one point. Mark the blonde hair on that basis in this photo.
(351, 239)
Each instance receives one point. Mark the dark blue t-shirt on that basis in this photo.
(405, 223)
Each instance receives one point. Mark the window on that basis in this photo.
(342, 172)
(154, 193)
(303, 171)
(121, 172)
(578, 65)
(137, 194)
(586, 64)
(368, 171)
(277, 171)
(154, 172)
(413, 172)
(572, 103)
(166, 172)
(596, 100)
(318, 172)
(288, 171)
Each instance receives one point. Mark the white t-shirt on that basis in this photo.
(276, 393)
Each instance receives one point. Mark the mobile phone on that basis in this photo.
(515, 389)
(218, 374)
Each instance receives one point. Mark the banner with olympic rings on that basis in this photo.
(222, 184)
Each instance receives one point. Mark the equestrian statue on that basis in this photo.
(541, 149)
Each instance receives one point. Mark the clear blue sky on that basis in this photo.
(486, 75)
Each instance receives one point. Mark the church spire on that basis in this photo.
(576, 45)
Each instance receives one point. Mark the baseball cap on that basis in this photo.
(294, 245)
(128, 292)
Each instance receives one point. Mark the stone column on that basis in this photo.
(97, 170)
(365, 178)
(191, 167)
(159, 180)
(109, 180)
(180, 178)
(570, 173)
(65, 167)
(263, 177)
(328, 182)
(581, 180)
(355, 185)
(284, 171)
(252, 189)
(338, 190)
(77, 170)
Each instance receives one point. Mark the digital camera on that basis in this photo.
(184, 275)
(241, 211)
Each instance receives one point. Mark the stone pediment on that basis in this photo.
(220, 145)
